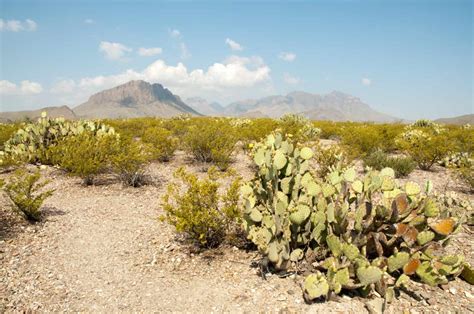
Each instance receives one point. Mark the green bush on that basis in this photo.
(378, 160)
(357, 233)
(6, 132)
(211, 140)
(298, 128)
(85, 155)
(160, 142)
(128, 162)
(329, 159)
(206, 216)
(27, 193)
(426, 145)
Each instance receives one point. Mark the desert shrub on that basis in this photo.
(133, 128)
(85, 155)
(297, 127)
(211, 140)
(357, 233)
(361, 140)
(206, 216)
(378, 160)
(33, 141)
(6, 132)
(466, 174)
(426, 145)
(26, 193)
(329, 159)
(160, 142)
(128, 160)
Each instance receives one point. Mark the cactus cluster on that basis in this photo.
(31, 142)
(348, 232)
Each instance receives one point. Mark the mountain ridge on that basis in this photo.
(132, 100)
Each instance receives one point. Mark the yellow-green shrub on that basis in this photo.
(329, 159)
(160, 143)
(85, 155)
(6, 132)
(298, 128)
(211, 140)
(378, 160)
(203, 214)
(26, 193)
(426, 145)
(128, 162)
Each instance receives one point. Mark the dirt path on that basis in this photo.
(102, 249)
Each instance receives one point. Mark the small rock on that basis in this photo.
(452, 290)
(468, 295)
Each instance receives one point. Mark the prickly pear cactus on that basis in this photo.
(351, 232)
(278, 201)
(31, 143)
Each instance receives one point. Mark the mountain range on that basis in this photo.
(142, 99)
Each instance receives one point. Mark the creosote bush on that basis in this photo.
(25, 190)
(378, 160)
(128, 159)
(355, 233)
(85, 155)
(201, 212)
(211, 140)
(160, 142)
(426, 143)
(329, 159)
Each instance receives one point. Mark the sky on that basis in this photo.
(409, 59)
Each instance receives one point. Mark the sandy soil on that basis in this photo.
(102, 249)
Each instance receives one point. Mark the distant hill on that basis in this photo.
(459, 120)
(134, 99)
(205, 107)
(335, 106)
(53, 112)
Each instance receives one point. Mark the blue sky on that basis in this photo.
(410, 59)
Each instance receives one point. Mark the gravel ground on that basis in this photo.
(102, 249)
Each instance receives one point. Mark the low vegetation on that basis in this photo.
(204, 214)
(306, 210)
(378, 160)
(27, 193)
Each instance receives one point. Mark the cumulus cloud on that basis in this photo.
(89, 21)
(233, 45)
(234, 78)
(292, 80)
(24, 88)
(18, 26)
(148, 52)
(113, 51)
(366, 81)
(287, 56)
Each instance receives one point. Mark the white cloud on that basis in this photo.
(292, 80)
(184, 51)
(287, 56)
(233, 78)
(89, 21)
(148, 52)
(18, 26)
(25, 88)
(113, 51)
(366, 81)
(63, 87)
(233, 45)
(174, 33)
